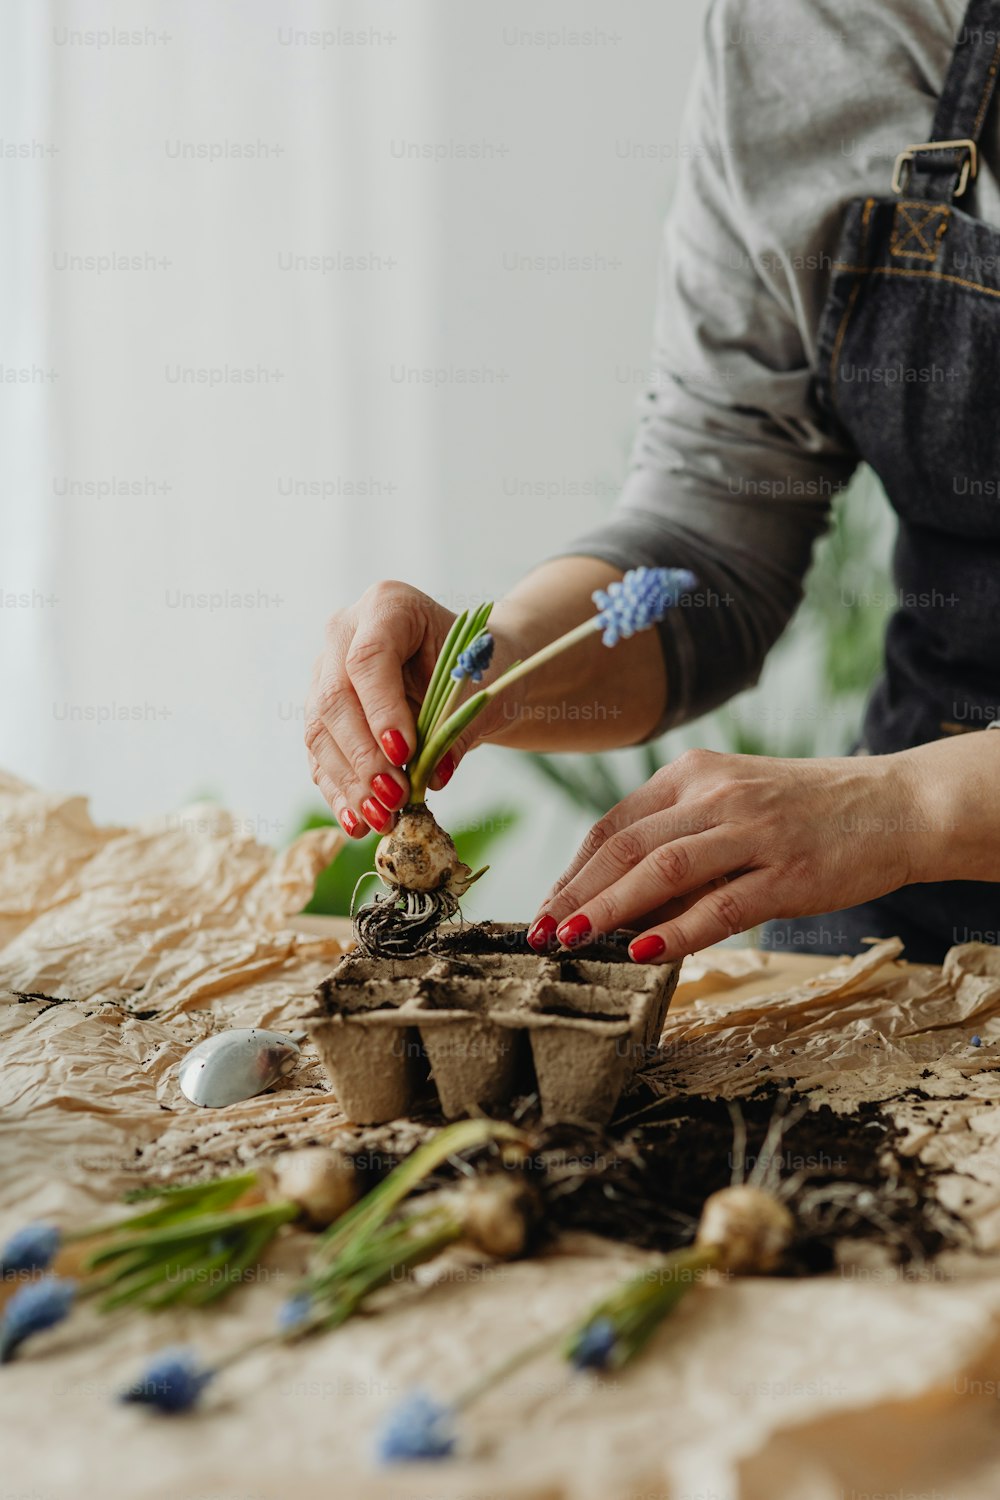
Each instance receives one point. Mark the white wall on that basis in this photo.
(577, 132)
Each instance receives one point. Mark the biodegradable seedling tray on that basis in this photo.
(486, 1019)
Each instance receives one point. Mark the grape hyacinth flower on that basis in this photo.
(32, 1248)
(640, 600)
(172, 1383)
(294, 1313)
(33, 1308)
(419, 1428)
(474, 661)
(636, 602)
(417, 861)
(595, 1346)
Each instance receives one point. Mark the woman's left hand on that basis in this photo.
(714, 844)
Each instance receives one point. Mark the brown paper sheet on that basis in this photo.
(150, 938)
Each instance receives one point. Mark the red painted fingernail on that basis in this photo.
(644, 949)
(395, 746)
(574, 930)
(350, 822)
(386, 790)
(541, 933)
(445, 769)
(376, 814)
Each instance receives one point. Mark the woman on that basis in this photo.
(830, 294)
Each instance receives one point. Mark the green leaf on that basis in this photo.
(335, 885)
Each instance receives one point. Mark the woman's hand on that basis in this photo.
(366, 690)
(714, 844)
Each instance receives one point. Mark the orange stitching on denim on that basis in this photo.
(972, 286)
(848, 310)
(984, 103)
(899, 242)
(839, 341)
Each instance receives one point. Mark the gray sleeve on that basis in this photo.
(732, 473)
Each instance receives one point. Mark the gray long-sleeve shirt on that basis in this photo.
(798, 107)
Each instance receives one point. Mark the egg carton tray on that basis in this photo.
(485, 1019)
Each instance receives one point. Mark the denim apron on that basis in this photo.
(909, 377)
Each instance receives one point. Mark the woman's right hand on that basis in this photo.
(361, 711)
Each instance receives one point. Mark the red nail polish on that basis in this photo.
(574, 931)
(388, 791)
(445, 768)
(350, 822)
(643, 950)
(376, 814)
(395, 746)
(541, 933)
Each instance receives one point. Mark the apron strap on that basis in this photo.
(942, 169)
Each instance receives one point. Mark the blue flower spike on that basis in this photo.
(32, 1248)
(419, 1428)
(475, 661)
(639, 600)
(294, 1313)
(595, 1347)
(33, 1308)
(172, 1383)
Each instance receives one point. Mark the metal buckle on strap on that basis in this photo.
(970, 165)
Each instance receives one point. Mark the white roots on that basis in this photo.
(747, 1223)
(403, 922)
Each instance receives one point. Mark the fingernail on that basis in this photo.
(386, 790)
(376, 814)
(541, 933)
(643, 950)
(445, 769)
(395, 746)
(574, 930)
(350, 822)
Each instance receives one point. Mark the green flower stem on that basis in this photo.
(447, 730)
(397, 1248)
(443, 691)
(209, 1290)
(638, 1307)
(203, 1228)
(443, 665)
(506, 1367)
(441, 740)
(345, 1296)
(179, 1204)
(186, 1255)
(354, 1228)
(143, 1275)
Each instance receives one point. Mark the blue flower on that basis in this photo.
(30, 1249)
(418, 1428)
(172, 1383)
(639, 600)
(33, 1308)
(595, 1346)
(294, 1312)
(474, 660)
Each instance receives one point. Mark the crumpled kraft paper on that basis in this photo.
(150, 938)
(162, 917)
